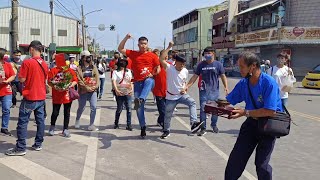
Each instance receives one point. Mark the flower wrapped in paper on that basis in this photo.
(90, 81)
(62, 80)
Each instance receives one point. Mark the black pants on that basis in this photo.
(123, 101)
(248, 140)
(15, 90)
(161, 105)
(66, 113)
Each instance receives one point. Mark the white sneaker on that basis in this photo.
(77, 124)
(175, 110)
(93, 128)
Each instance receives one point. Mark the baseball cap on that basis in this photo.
(179, 58)
(85, 53)
(35, 44)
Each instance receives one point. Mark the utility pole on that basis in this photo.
(164, 43)
(84, 42)
(53, 22)
(14, 25)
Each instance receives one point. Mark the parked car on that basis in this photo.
(312, 79)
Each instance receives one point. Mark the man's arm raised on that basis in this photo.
(164, 54)
(121, 48)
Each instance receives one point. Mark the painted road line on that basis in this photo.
(83, 116)
(33, 171)
(216, 149)
(305, 115)
(89, 169)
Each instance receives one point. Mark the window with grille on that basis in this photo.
(62, 32)
(35, 32)
(4, 30)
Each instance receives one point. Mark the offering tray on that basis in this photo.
(219, 110)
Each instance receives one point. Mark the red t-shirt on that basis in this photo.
(34, 87)
(5, 89)
(61, 97)
(143, 64)
(160, 87)
(112, 65)
(129, 66)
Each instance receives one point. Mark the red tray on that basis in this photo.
(213, 109)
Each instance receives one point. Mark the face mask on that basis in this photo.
(208, 57)
(17, 59)
(88, 60)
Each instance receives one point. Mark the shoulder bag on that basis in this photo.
(277, 125)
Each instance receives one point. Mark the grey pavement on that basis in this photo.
(120, 154)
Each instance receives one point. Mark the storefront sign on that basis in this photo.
(288, 35)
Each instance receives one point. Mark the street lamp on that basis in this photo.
(84, 41)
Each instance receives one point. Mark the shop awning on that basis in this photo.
(69, 49)
(257, 7)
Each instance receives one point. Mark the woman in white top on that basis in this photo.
(123, 87)
(102, 68)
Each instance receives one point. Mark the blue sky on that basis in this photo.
(148, 18)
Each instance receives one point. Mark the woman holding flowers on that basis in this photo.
(88, 77)
(61, 78)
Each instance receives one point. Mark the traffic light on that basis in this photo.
(112, 27)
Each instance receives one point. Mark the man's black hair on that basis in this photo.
(2, 53)
(209, 49)
(116, 53)
(142, 38)
(16, 51)
(250, 58)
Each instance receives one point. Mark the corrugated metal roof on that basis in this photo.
(257, 7)
(9, 7)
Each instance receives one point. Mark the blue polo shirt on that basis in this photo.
(266, 94)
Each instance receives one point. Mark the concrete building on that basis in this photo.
(297, 35)
(192, 33)
(36, 25)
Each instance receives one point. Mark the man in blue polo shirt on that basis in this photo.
(210, 70)
(266, 94)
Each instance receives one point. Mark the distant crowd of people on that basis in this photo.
(133, 78)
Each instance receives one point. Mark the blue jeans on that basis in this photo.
(141, 91)
(127, 101)
(161, 105)
(92, 98)
(204, 98)
(101, 88)
(284, 101)
(6, 104)
(25, 111)
(171, 104)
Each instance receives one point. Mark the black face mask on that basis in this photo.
(88, 60)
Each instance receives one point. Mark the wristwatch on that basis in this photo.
(247, 113)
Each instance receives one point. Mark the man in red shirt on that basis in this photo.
(7, 75)
(145, 65)
(160, 90)
(33, 75)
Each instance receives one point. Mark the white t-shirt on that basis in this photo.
(125, 85)
(100, 68)
(176, 82)
(280, 75)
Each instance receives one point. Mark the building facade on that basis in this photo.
(270, 27)
(35, 24)
(192, 33)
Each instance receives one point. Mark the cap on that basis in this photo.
(85, 53)
(179, 58)
(72, 56)
(35, 44)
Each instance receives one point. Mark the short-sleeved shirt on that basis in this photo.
(210, 74)
(160, 88)
(123, 83)
(61, 97)
(6, 72)
(34, 88)
(266, 94)
(176, 82)
(143, 64)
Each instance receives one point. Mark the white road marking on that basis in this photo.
(89, 169)
(83, 116)
(216, 149)
(30, 169)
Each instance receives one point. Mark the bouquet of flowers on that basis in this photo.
(62, 80)
(90, 81)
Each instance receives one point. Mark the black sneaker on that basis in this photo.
(215, 129)
(202, 132)
(36, 148)
(143, 132)
(15, 152)
(129, 128)
(196, 126)
(6, 132)
(116, 126)
(165, 135)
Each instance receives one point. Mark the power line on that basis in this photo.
(75, 3)
(67, 10)
(60, 9)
